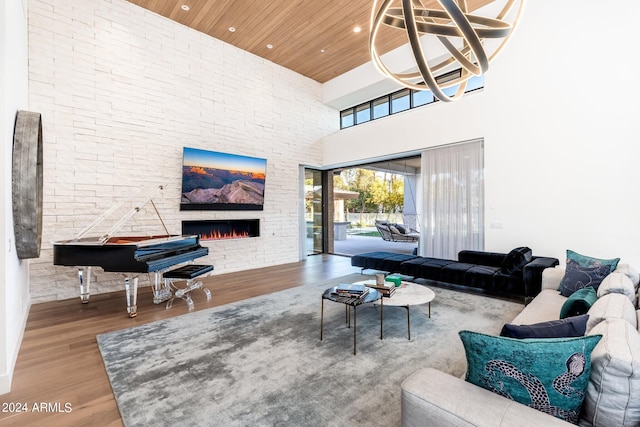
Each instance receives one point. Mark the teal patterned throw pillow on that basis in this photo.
(589, 261)
(548, 374)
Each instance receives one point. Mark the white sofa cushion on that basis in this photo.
(630, 272)
(618, 283)
(544, 307)
(431, 397)
(551, 277)
(614, 306)
(614, 384)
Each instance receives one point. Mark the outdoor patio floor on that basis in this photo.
(354, 245)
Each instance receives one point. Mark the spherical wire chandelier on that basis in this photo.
(462, 34)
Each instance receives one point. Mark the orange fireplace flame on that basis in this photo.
(217, 235)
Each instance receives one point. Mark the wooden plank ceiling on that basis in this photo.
(312, 37)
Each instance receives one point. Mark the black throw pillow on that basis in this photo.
(516, 259)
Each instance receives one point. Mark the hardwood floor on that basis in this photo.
(59, 362)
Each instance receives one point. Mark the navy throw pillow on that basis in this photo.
(578, 277)
(574, 326)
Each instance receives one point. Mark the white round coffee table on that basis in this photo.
(406, 295)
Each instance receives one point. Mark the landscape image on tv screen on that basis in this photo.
(221, 181)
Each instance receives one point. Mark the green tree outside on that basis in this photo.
(378, 193)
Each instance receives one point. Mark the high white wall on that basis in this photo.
(14, 283)
(122, 91)
(560, 122)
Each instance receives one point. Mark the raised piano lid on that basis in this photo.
(124, 219)
(138, 241)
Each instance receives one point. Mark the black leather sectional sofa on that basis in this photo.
(517, 274)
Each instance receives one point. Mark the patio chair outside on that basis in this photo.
(396, 232)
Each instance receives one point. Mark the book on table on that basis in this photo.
(387, 289)
(388, 292)
(351, 290)
(354, 288)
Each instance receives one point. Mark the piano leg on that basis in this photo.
(132, 295)
(161, 291)
(85, 282)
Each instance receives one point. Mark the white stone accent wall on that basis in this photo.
(122, 91)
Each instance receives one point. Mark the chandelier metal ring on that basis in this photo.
(461, 33)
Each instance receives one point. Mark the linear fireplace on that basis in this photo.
(222, 229)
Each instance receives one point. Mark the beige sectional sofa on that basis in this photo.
(434, 398)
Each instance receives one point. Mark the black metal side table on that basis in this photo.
(372, 296)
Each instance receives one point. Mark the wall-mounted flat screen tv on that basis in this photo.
(221, 181)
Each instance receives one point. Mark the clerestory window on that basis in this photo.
(401, 100)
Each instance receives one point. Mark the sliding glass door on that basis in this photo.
(313, 211)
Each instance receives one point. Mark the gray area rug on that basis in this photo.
(260, 362)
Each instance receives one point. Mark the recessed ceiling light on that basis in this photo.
(269, 46)
(185, 7)
(357, 29)
(232, 29)
(321, 50)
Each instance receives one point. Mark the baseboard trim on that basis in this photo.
(6, 379)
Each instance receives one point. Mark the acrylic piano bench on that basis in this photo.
(188, 274)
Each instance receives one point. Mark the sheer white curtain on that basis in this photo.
(453, 201)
